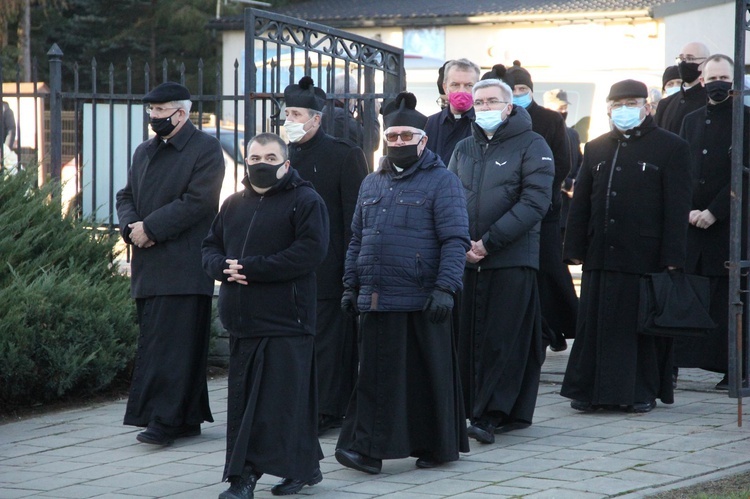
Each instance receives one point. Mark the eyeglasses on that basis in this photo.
(632, 104)
(489, 102)
(158, 110)
(405, 136)
(688, 58)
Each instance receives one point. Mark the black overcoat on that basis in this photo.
(671, 110)
(173, 187)
(632, 197)
(336, 168)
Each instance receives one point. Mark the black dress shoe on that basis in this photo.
(558, 344)
(290, 486)
(188, 430)
(428, 462)
(512, 425)
(583, 406)
(359, 462)
(155, 436)
(482, 431)
(242, 487)
(642, 407)
(327, 422)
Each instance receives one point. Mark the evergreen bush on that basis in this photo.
(67, 323)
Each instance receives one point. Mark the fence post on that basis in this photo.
(55, 106)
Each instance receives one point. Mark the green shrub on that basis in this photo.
(67, 323)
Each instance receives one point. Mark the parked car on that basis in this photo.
(234, 158)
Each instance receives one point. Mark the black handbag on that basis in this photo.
(674, 304)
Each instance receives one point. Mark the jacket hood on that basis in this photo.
(517, 122)
(291, 180)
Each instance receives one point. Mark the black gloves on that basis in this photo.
(439, 305)
(349, 302)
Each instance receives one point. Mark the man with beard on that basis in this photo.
(708, 131)
(692, 95)
(165, 210)
(629, 217)
(506, 170)
(264, 246)
(336, 168)
(403, 271)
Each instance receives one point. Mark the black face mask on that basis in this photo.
(163, 126)
(263, 175)
(689, 71)
(718, 90)
(404, 156)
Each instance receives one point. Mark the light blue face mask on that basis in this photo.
(522, 100)
(671, 91)
(489, 121)
(626, 118)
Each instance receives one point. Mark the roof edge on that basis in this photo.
(683, 6)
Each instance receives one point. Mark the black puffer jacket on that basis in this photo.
(508, 185)
(279, 238)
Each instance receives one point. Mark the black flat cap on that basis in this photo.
(167, 92)
(305, 94)
(628, 88)
(402, 112)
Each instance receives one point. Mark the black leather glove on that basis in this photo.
(439, 305)
(349, 302)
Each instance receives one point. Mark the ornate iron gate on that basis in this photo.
(280, 50)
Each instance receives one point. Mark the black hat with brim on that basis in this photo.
(167, 92)
(628, 89)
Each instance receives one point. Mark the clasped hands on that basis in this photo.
(477, 252)
(138, 235)
(234, 272)
(703, 219)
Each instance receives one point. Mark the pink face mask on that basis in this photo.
(461, 101)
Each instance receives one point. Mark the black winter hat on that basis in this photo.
(628, 88)
(520, 76)
(499, 72)
(305, 94)
(670, 73)
(402, 112)
(167, 92)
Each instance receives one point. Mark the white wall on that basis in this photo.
(713, 26)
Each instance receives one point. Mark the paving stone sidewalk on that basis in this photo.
(89, 453)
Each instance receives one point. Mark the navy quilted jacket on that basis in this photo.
(410, 236)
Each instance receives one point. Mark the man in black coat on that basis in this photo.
(557, 295)
(264, 246)
(336, 168)
(692, 95)
(708, 131)
(448, 127)
(164, 211)
(629, 217)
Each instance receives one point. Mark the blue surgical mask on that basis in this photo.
(671, 91)
(626, 118)
(522, 100)
(489, 121)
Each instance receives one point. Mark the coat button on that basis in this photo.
(702, 181)
(708, 122)
(705, 151)
(624, 144)
(614, 193)
(618, 168)
(611, 220)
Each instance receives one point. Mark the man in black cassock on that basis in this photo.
(628, 217)
(507, 172)
(692, 95)
(336, 168)
(264, 246)
(403, 270)
(708, 131)
(164, 211)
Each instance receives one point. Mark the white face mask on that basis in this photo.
(296, 131)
